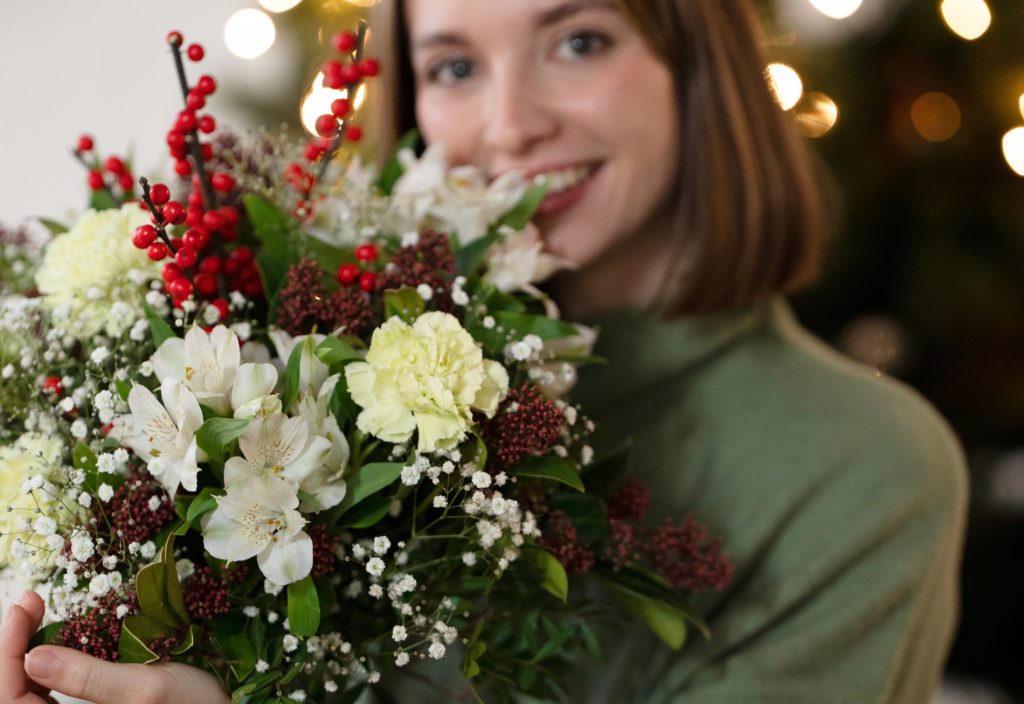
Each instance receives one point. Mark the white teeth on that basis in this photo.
(563, 179)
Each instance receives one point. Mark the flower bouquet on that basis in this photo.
(305, 425)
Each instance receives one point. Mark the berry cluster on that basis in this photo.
(139, 509)
(112, 175)
(304, 303)
(96, 631)
(206, 595)
(527, 423)
(429, 261)
(360, 274)
(198, 265)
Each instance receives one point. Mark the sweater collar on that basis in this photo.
(642, 350)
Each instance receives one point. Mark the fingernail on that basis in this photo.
(40, 664)
(23, 600)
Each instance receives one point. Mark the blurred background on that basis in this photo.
(917, 107)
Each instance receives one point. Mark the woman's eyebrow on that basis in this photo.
(548, 17)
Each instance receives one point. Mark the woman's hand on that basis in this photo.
(68, 671)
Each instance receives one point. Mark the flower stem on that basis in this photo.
(350, 93)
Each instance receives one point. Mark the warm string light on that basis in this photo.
(837, 9)
(1013, 149)
(817, 115)
(249, 33)
(278, 5)
(936, 116)
(318, 99)
(786, 85)
(967, 18)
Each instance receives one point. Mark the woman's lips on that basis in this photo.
(571, 184)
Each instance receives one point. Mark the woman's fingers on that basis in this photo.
(79, 675)
(20, 622)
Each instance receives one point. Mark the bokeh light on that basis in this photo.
(318, 99)
(1021, 101)
(279, 5)
(967, 18)
(786, 84)
(1013, 149)
(249, 33)
(837, 9)
(936, 116)
(817, 115)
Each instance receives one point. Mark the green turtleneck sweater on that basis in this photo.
(840, 495)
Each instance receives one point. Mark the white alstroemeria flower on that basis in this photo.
(326, 483)
(255, 352)
(207, 363)
(278, 447)
(312, 372)
(458, 200)
(258, 517)
(253, 392)
(556, 378)
(518, 260)
(164, 434)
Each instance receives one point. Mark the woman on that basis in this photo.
(689, 205)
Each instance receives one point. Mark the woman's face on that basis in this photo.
(568, 89)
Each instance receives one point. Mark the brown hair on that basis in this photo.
(751, 208)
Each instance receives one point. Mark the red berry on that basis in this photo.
(252, 288)
(242, 255)
(206, 85)
(340, 107)
(212, 221)
(314, 151)
(326, 125)
(369, 67)
(347, 274)
(195, 100)
(175, 38)
(221, 305)
(197, 238)
(210, 264)
(333, 81)
(175, 140)
(186, 257)
(174, 213)
(96, 180)
(366, 252)
(194, 217)
(157, 251)
(367, 281)
(159, 194)
(344, 41)
(229, 234)
(229, 214)
(207, 124)
(182, 167)
(207, 151)
(170, 272)
(52, 384)
(180, 288)
(196, 52)
(85, 143)
(144, 236)
(126, 182)
(222, 182)
(350, 74)
(206, 284)
(186, 121)
(114, 165)
(354, 133)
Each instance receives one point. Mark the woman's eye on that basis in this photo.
(450, 71)
(581, 44)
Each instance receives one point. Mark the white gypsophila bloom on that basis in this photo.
(122, 610)
(489, 532)
(121, 455)
(440, 501)
(99, 585)
(82, 546)
(104, 399)
(110, 562)
(298, 695)
(106, 463)
(519, 351)
(375, 566)
(469, 559)
(262, 666)
(85, 500)
(273, 616)
(410, 476)
(116, 579)
(399, 634)
(251, 611)
(436, 650)
(381, 545)
(154, 502)
(460, 297)
(148, 550)
(79, 429)
(425, 292)
(489, 322)
(184, 568)
(291, 643)
(99, 355)
(481, 480)
(376, 591)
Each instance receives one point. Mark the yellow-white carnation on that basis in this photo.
(426, 378)
(90, 268)
(31, 454)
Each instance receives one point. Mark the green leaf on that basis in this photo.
(216, 435)
(260, 682)
(239, 652)
(553, 577)
(666, 621)
(83, 458)
(607, 474)
(188, 642)
(366, 481)
(393, 169)
(123, 388)
(332, 350)
(403, 302)
(468, 258)
(588, 513)
(523, 324)
(277, 234)
(159, 328)
(553, 468)
(293, 374)
(303, 608)
(102, 200)
(137, 632)
(366, 513)
(46, 634)
(342, 406)
(351, 696)
(520, 215)
(204, 502)
(159, 592)
(53, 226)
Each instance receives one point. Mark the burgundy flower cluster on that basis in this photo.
(560, 538)
(96, 631)
(430, 261)
(207, 595)
(527, 423)
(323, 549)
(304, 303)
(131, 513)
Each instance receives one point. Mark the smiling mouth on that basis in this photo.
(563, 179)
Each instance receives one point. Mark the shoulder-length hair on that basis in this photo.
(751, 209)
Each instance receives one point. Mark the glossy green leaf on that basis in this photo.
(216, 435)
(403, 302)
(553, 576)
(192, 635)
(303, 608)
(137, 631)
(520, 215)
(293, 373)
(260, 682)
(523, 324)
(366, 513)
(366, 481)
(204, 502)
(332, 350)
(277, 233)
(588, 513)
(552, 468)
(46, 634)
(469, 258)
(172, 586)
(666, 621)
(158, 327)
(55, 228)
(607, 474)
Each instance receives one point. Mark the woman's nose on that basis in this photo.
(517, 118)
